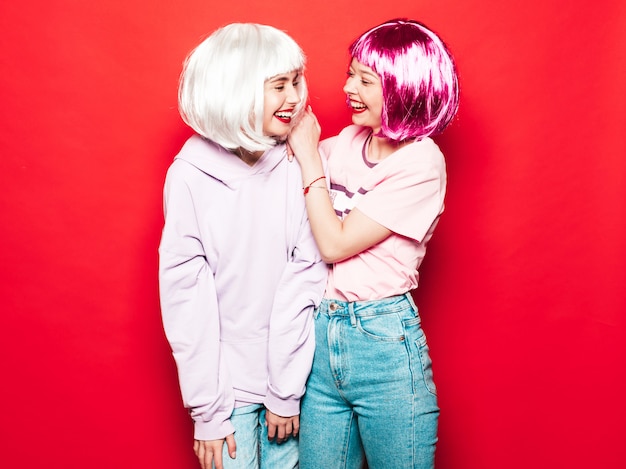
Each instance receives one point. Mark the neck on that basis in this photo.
(380, 148)
(248, 157)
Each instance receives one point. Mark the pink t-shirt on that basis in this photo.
(404, 192)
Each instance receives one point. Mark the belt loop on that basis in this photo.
(412, 301)
(351, 312)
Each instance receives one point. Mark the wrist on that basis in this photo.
(312, 185)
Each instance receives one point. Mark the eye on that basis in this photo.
(279, 87)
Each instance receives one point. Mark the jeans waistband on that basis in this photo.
(355, 309)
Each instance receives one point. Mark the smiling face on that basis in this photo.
(365, 95)
(281, 97)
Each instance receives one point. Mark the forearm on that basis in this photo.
(191, 324)
(326, 226)
(291, 335)
(334, 240)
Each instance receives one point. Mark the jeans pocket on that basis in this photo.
(425, 362)
(385, 327)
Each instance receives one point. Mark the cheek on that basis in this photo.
(378, 99)
(381, 105)
(268, 113)
(270, 105)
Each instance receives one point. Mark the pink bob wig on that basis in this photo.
(418, 76)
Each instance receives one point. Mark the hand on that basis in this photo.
(281, 428)
(304, 136)
(209, 452)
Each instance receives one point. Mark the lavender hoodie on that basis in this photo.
(239, 276)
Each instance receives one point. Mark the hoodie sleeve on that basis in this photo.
(190, 314)
(292, 338)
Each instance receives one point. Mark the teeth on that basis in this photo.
(357, 106)
(284, 115)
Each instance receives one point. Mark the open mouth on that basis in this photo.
(284, 116)
(356, 106)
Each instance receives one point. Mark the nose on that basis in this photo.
(293, 97)
(348, 88)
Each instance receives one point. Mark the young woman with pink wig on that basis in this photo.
(374, 194)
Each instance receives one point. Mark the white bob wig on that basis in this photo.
(221, 88)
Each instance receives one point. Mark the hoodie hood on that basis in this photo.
(223, 165)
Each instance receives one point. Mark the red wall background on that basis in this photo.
(522, 292)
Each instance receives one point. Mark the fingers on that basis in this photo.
(317, 123)
(308, 115)
(277, 432)
(271, 431)
(232, 446)
(289, 152)
(209, 453)
(216, 458)
(281, 428)
(205, 458)
(281, 434)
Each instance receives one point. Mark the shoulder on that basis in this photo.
(410, 168)
(428, 148)
(187, 163)
(350, 137)
(421, 156)
(196, 150)
(354, 133)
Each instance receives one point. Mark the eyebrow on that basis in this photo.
(363, 71)
(371, 74)
(284, 78)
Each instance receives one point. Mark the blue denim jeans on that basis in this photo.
(254, 451)
(371, 391)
